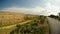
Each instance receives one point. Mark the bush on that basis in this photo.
(34, 27)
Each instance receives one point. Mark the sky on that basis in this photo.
(36, 7)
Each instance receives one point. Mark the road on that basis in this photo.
(54, 25)
(5, 27)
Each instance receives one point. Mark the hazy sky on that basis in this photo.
(39, 7)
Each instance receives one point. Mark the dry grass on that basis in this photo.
(10, 18)
(6, 31)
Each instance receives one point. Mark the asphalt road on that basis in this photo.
(54, 25)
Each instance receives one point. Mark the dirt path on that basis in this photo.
(5, 27)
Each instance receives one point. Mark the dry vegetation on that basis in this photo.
(38, 25)
(10, 18)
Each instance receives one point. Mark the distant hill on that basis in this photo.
(9, 18)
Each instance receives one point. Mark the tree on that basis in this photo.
(59, 14)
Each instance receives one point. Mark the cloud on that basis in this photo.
(34, 10)
(54, 2)
(51, 7)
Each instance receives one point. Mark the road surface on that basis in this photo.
(54, 25)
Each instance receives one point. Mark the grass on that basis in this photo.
(6, 31)
(34, 27)
(10, 18)
(7, 18)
